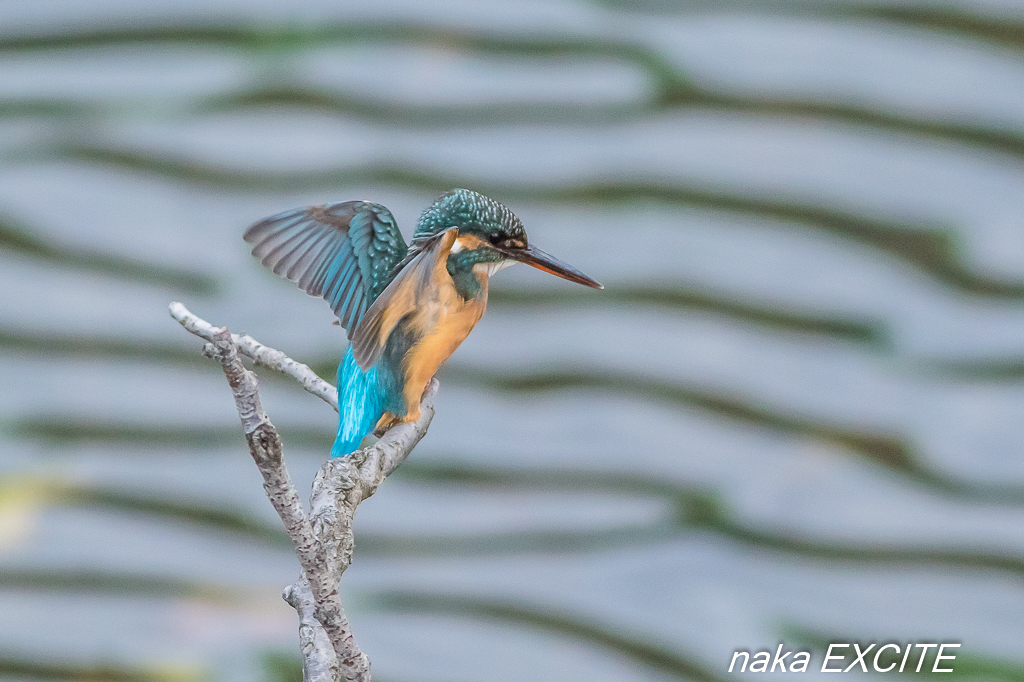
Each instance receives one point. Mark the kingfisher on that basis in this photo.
(405, 308)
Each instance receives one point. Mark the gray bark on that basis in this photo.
(323, 540)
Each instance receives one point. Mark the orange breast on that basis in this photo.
(441, 323)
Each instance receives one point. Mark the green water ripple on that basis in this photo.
(639, 649)
(22, 240)
(33, 668)
(696, 510)
(101, 581)
(894, 452)
(930, 249)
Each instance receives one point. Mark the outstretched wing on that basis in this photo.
(402, 296)
(343, 252)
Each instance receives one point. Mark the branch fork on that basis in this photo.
(323, 539)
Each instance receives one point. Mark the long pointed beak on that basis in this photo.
(533, 256)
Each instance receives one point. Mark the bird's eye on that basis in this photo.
(504, 242)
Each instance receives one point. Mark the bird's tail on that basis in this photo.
(361, 400)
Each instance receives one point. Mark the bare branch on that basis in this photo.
(324, 541)
(341, 484)
(265, 448)
(319, 662)
(260, 354)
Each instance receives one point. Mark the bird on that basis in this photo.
(405, 308)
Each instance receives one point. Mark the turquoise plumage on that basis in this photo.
(405, 308)
(361, 400)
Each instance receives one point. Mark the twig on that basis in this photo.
(260, 354)
(324, 541)
(319, 662)
(265, 448)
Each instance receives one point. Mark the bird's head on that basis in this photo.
(490, 236)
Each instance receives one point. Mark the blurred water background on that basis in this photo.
(795, 414)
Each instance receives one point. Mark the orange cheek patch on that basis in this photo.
(467, 242)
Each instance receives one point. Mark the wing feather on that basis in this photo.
(317, 277)
(297, 248)
(347, 294)
(344, 252)
(302, 262)
(400, 298)
(352, 306)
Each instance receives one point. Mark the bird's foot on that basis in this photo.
(386, 423)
